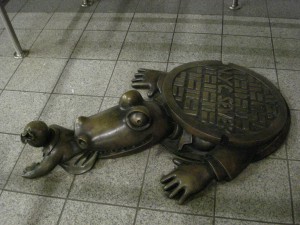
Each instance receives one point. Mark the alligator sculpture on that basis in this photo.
(216, 119)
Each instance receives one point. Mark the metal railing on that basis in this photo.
(19, 52)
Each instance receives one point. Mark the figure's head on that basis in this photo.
(131, 125)
(36, 134)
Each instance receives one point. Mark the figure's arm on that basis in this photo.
(44, 167)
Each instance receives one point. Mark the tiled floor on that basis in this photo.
(82, 60)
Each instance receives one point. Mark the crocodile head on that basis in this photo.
(133, 125)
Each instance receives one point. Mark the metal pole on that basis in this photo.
(7, 24)
(86, 3)
(235, 5)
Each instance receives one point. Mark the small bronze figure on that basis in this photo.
(215, 118)
(59, 148)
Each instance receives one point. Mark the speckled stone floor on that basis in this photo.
(82, 60)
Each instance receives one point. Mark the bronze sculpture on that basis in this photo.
(216, 118)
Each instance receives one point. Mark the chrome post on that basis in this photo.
(235, 5)
(8, 26)
(86, 3)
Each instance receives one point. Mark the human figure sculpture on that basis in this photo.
(216, 118)
(59, 148)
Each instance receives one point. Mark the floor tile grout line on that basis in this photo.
(2, 32)
(173, 34)
(11, 19)
(68, 199)
(165, 32)
(65, 202)
(121, 48)
(146, 61)
(40, 111)
(291, 192)
(286, 152)
(146, 208)
(8, 178)
(6, 182)
(216, 183)
(222, 32)
(142, 187)
(272, 43)
(30, 45)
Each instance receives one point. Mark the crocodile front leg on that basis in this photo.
(147, 79)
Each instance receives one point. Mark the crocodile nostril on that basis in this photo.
(83, 142)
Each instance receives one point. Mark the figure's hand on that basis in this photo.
(186, 180)
(29, 171)
(147, 79)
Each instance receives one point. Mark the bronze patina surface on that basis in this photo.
(215, 118)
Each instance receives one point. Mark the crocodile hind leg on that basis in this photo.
(220, 164)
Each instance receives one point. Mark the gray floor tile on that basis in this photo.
(255, 8)
(14, 6)
(8, 67)
(144, 46)
(110, 21)
(57, 183)
(10, 148)
(148, 217)
(261, 192)
(293, 140)
(153, 196)
(287, 53)
(26, 39)
(55, 43)
(72, 6)
(172, 66)
(33, 21)
(118, 6)
(113, 181)
(249, 26)
(33, 6)
(284, 9)
(289, 85)
(19, 108)
(24, 209)
(279, 153)
(270, 74)
(69, 21)
(195, 47)
(99, 45)
(89, 213)
(37, 74)
(10, 15)
(219, 221)
(153, 22)
(158, 6)
(248, 51)
(124, 73)
(64, 109)
(85, 77)
(295, 177)
(285, 28)
(212, 7)
(190, 23)
(109, 102)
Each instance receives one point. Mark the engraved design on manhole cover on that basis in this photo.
(226, 98)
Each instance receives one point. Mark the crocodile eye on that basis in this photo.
(138, 120)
